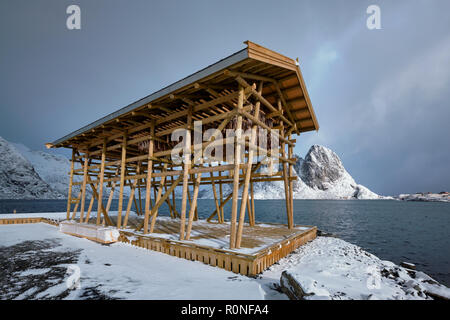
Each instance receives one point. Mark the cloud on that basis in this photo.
(323, 59)
(422, 80)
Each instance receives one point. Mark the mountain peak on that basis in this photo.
(322, 167)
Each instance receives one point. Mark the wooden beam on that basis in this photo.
(291, 185)
(149, 178)
(213, 185)
(100, 183)
(193, 206)
(122, 179)
(237, 159)
(83, 187)
(248, 172)
(187, 165)
(69, 197)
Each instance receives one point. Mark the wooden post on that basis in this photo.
(154, 212)
(193, 206)
(91, 204)
(221, 198)
(248, 173)
(187, 165)
(171, 211)
(69, 197)
(196, 206)
(83, 187)
(286, 184)
(130, 202)
(100, 186)
(110, 198)
(174, 204)
(216, 201)
(291, 183)
(122, 178)
(252, 220)
(149, 176)
(237, 160)
(74, 212)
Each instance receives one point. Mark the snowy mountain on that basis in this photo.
(36, 174)
(53, 169)
(321, 175)
(18, 178)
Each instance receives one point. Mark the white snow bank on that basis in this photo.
(330, 268)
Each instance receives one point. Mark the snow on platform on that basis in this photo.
(90, 231)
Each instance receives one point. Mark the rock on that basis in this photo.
(18, 179)
(291, 287)
(408, 265)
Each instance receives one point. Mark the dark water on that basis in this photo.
(417, 232)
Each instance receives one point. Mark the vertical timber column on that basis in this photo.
(221, 197)
(193, 205)
(122, 178)
(149, 176)
(100, 183)
(252, 220)
(187, 165)
(286, 184)
(69, 197)
(291, 183)
(248, 174)
(83, 186)
(237, 160)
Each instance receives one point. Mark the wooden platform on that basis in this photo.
(28, 220)
(262, 245)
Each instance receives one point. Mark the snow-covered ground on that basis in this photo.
(35, 259)
(117, 271)
(331, 268)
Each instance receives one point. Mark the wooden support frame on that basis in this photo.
(133, 147)
(248, 173)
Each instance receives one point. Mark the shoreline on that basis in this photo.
(305, 266)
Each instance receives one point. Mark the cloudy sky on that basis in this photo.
(381, 96)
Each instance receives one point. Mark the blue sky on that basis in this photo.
(381, 96)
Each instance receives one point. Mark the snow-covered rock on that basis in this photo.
(18, 179)
(428, 196)
(321, 175)
(52, 168)
(331, 268)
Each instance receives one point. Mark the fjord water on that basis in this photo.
(417, 232)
